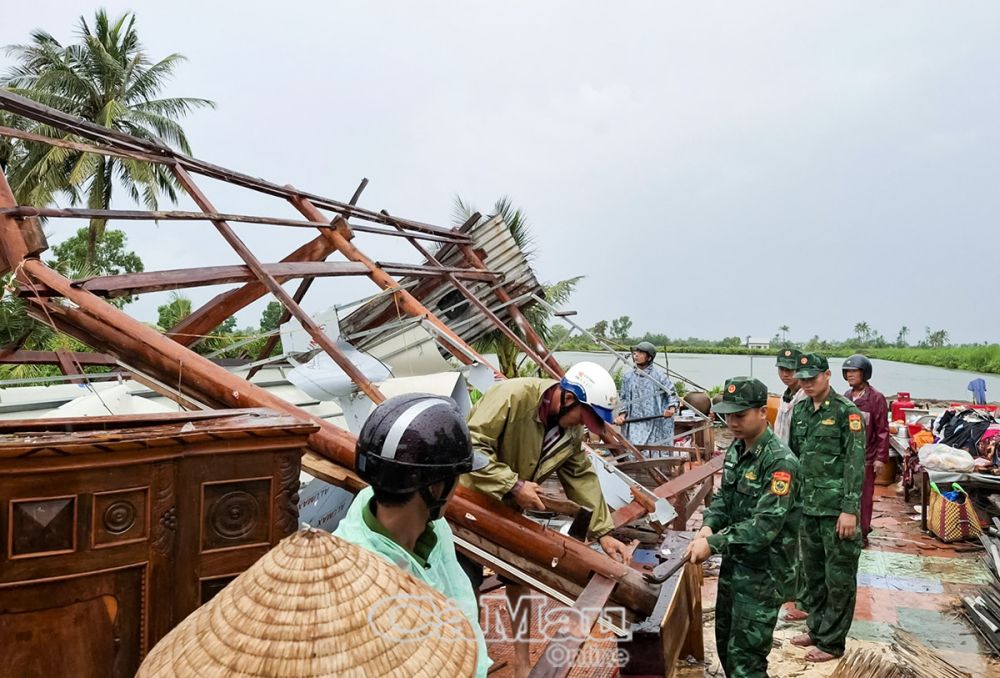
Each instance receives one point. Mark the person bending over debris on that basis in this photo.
(649, 400)
(412, 449)
(828, 437)
(529, 429)
(753, 523)
(857, 371)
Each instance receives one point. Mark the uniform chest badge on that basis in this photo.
(829, 422)
(781, 483)
(854, 421)
(750, 475)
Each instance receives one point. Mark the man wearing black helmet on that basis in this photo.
(648, 399)
(857, 371)
(411, 449)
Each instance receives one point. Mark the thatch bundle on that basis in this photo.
(316, 605)
(907, 658)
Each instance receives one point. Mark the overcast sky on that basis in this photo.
(712, 168)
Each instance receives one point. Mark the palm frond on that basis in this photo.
(104, 76)
(461, 211)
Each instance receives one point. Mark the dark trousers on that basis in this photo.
(744, 623)
(830, 572)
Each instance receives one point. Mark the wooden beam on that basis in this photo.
(407, 302)
(300, 293)
(699, 497)
(190, 330)
(112, 286)
(25, 212)
(275, 288)
(527, 331)
(557, 659)
(66, 366)
(50, 358)
(115, 142)
(685, 481)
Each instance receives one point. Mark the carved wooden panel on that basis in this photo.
(164, 512)
(286, 519)
(120, 517)
(235, 513)
(86, 627)
(105, 549)
(41, 527)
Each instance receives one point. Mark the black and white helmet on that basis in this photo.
(412, 441)
(859, 362)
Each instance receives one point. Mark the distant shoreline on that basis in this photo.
(981, 359)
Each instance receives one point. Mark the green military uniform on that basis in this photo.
(754, 519)
(830, 444)
(505, 426)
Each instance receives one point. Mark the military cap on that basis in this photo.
(741, 393)
(811, 364)
(789, 358)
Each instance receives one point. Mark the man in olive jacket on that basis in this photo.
(529, 429)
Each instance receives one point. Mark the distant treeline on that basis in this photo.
(984, 358)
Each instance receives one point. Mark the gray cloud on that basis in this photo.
(815, 165)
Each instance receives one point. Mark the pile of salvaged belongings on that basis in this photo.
(316, 605)
(974, 431)
(907, 657)
(983, 610)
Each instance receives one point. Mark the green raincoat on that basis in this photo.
(436, 565)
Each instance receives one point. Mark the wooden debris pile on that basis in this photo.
(906, 658)
(983, 610)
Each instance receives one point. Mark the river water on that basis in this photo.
(920, 381)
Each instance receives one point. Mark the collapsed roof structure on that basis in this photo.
(473, 280)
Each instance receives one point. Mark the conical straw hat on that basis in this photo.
(316, 605)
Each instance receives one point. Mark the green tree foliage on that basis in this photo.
(863, 332)
(271, 315)
(600, 329)
(18, 329)
(901, 336)
(110, 257)
(107, 78)
(620, 327)
(936, 338)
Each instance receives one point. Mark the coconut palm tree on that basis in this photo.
(108, 79)
(784, 333)
(863, 331)
(538, 316)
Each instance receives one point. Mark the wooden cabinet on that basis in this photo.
(117, 528)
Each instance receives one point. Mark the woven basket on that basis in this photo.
(952, 521)
(316, 605)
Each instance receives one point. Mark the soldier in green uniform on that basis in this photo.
(753, 523)
(828, 437)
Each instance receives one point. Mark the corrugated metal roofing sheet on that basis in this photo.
(502, 256)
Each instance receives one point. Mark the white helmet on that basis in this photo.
(593, 386)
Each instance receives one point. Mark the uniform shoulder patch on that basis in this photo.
(781, 483)
(854, 421)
